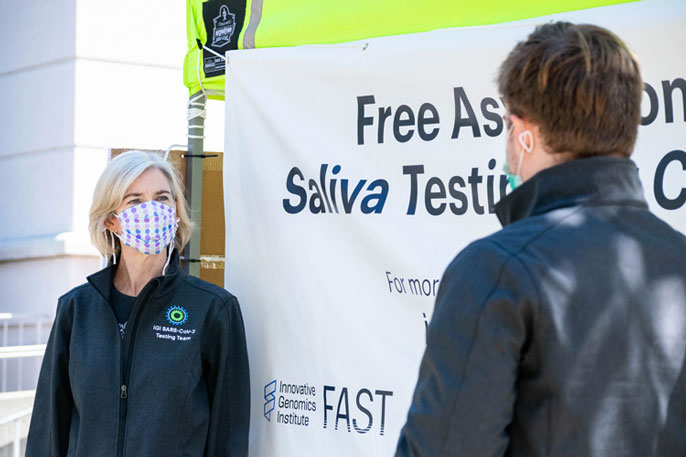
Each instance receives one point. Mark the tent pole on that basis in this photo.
(194, 165)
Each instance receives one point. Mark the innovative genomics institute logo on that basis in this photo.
(177, 315)
(293, 404)
(340, 408)
(269, 399)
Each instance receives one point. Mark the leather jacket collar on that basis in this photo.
(588, 181)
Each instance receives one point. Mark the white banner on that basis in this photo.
(353, 174)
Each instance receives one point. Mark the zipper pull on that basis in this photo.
(123, 391)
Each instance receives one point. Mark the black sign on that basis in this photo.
(223, 23)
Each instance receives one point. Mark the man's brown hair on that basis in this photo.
(580, 84)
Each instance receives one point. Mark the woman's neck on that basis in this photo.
(135, 270)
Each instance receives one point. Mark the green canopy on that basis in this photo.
(222, 25)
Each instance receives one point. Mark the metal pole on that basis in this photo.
(196, 127)
(5, 331)
(17, 439)
(20, 368)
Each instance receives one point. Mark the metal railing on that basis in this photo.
(22, 328)
(15, 352)
(15, 419)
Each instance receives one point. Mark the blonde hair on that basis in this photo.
(109, 193)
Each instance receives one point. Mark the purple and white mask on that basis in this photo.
(149, 227)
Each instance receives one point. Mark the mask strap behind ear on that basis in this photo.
(170, 248)
(114, 248)
(526, 134)
(519, 163)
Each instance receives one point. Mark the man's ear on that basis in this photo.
(525, 133)
(518, 124)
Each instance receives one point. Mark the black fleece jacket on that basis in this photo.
(177, 385)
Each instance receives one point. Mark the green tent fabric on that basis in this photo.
(222, 25)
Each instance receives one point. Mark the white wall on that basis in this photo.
(79, 77)
(36, 161)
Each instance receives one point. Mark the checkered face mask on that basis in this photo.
(149, 227)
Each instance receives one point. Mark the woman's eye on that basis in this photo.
(162, 198)
(135, 201)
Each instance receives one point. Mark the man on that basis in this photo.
(564, 334)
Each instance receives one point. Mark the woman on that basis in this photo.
(143, 360)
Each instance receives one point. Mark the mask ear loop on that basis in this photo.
(171, 249)
(114, 248)
(526, 134)
(527, 147)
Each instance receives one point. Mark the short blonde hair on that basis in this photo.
(109, 193)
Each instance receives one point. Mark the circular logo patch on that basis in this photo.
(177, 315)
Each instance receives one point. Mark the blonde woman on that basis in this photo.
(143, 360)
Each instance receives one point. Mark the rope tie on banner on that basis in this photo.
(196, 109)
(197, 66)
(201, 47)
(196, 105)
(197, 74)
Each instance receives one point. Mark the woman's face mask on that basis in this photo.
(148, 227)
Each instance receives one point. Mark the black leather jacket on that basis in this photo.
(564, 334)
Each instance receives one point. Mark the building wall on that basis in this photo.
(79, 77)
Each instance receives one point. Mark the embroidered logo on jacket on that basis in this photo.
(177, 315)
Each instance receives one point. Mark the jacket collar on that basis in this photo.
(593, 180)
(102, 280)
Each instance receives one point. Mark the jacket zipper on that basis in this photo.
(125, 361)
